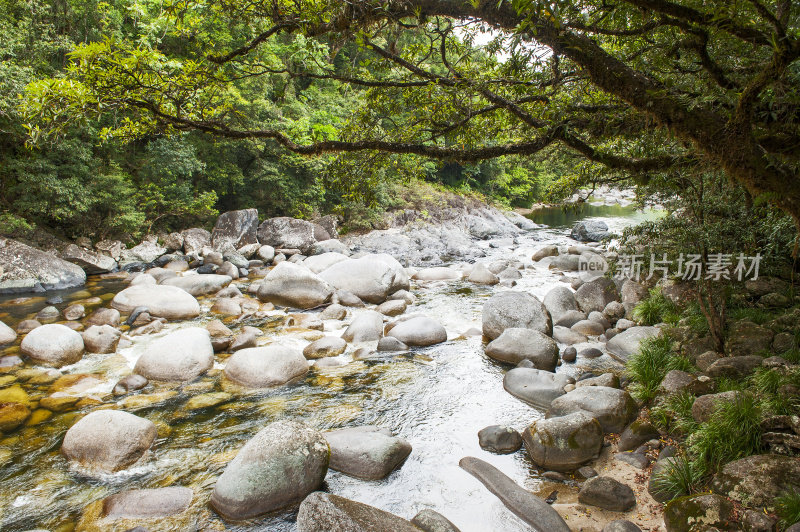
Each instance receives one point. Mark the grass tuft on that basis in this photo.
(733, 432)
(647, 367)
(656, 309)
(674, 414)
(787, 506)
(681, 477)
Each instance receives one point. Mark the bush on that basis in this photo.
(648, 367)
(733, 432)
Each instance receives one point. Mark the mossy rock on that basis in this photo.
(695, 513)
(757, 480)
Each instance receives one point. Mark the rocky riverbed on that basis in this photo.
(218, 379)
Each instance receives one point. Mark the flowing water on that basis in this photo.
(437, 398)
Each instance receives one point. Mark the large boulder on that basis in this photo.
(263, 367)
(698, 512)
(512, 309)
(559, 301)
(631, 294)
(590, 231)
(596, 294)
(366, 452)
(613, 408)
(195, 239)
(26, 269)
(278, 467)
(626, 343)
(322, 261)
(235, 229)
(746, 339)
(758, 480)
(365, 327)
(291, 233)
(53, 345)
(734, 367)
(515, 345)
(162, 301)
(535, 386)
(705, 405)
(201, 284)
(90, 261)
(182, 355)
(564, 443)
(295, 286)
(372, 278)
(108, 440)
(147, 251)
(7, 334)
(418, 331)
(325, 512)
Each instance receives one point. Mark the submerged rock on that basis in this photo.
(279, 466)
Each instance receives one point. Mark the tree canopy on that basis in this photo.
(643, 89)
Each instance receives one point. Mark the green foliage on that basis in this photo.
(650, 364)
(656, 309)
(680, 477)
(674, 413)
(787, 506)
(733, 432)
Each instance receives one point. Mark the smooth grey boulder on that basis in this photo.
(515, 345)
(613, 408)
(328, 346)
(419, 331)
(480, 274)
(607, 493)
(560, 301)
(146, 251)
(389, 343)
(431, 521)
(27, 269)
(545, 251)
(264, 367)
(162, 301)
(201, 284)
(590, 231)
(595, 295)
(588, 328)
(108, 440)
(567, 263)
(371, 278)
(182, 356)
(128, 384)
(235, 229)
(567, 336)
(564, 443)
(626, 343)
(90, 261)
(512, 309)
(321, 262)
(392, 307)
(101, 339)
(291, 285)
(524, 504)
(53, 345)
(438, 273)
(534, 386)
(7, 334)
(290, 233)
(367, 452)
(325, 512)
(365, 327)
(278, 467)
(499, 439)
(636, 434)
